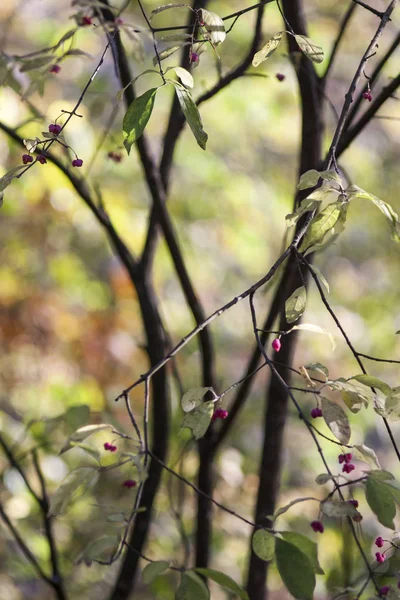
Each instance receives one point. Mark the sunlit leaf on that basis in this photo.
(296, 304)
(380, 501)
(8, 177)
(310, 48)
(318, 368)
(321, 278)
(306, 206)
(192, 114)
(305, 545)
(320, 225)
(153, 569)
(281, 511)
(214, 26)
(295, 569)
(336, 419)
(35, 63)
(391, 410)
(380, 475)
(263, 544)
(355, 192)
(192, 586)
(74, 484)
(163, 7)
(323, 478)
(366, 455)
(268, 49)
(193, 398)
(184, 76)
(168, 52)
(198, 420)
(223, 580)
(338, 509)
(373, 382)
(137, 117)
(315, 329)
(82, 433)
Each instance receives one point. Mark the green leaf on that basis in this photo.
(391, 410)
(318, 368)
(380, 475)
(338, 509)
(307, 205)
(184, 76)
(193, 398)
(192, 587)
(315, 329)
(354, 396)
(88, 449)
(321, 278)
(76, 416)
(355, 192)
(35, 63)
(263, 544)
(281, 511)
(373, 382)
(168, 52)
(268, 49)
(137, 117)
(305, 545)
(320, 225)
(224, 581)
(214, 26)
(366, 455)
(198, 420)
(8, 177)
(74, 484)
(310, 48)
(323, 478)
(192, 114)
(295, 569)
(380, 501)
(163, 7)
(101, 549)
(82, 433)
(153, 569)
(296, 304)
(310, 179)
(336, 419)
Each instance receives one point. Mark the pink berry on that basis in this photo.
(219, 413)
(379, 542)
(348, 457)
(86, 21)
(54, 128)
(42, 159)
(341, 458)
(55, 69)
(129, 483)
(113, 448)
(280, 76)
(107, 446)
(276, 344)
(384, 590)
(380, 558)
(27, 158)
(353, 502)
(193, 57)
(316, 412)
(317, 526)
(348, 468)
(77, 162)
(367, 96)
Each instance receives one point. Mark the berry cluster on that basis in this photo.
(55, 128)
(110, 447)
(346, 459)
(219, 413)
(55, 69)
(317, 526)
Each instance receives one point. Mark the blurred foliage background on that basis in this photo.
(70, 327)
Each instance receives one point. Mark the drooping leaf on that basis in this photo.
(8, 177)
(307, 205)
(310, 48)
(366, 455)
(305, 545)
(263, 544)
(355, 192)
(35, 63)
(163, 7)
(321, 278)
(184, 76)
(214, 26)
(268, 49)
(31, 145)
(76, 416)
(391, 410)
(192, 586)
(281, 511)
(137, 117)
(380, 501)
(223, 580)
(380, 475)
(338, 509)
(323, 478)
(318, 368)
(315, 329)
(101, 549)
(296, 304)
(310, 179)
(355, 396)
(88, 449)
(198, 420)
(82, 433)
(153, 569)
(74, 484)
(320, 225)
(192, 114)
(193, 398)
(295, 569)
(336, 419)
(168, 52)
(373, 382)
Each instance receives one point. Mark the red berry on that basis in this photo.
(317, 526)
(384, 590)
(348, 457)
(193, 57)
(129, 483)
(86, 21)
(55, 69)
(316, 412)
(380, 558)
(107, 446)
(27, 158)
(113, 448)
(280, 76)
(379, 542)
(54, 128)
(367, 96)
(341, 458)
(276, 344)
(77, 162)
(348, 468)
(42, 159)
(219, 413)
